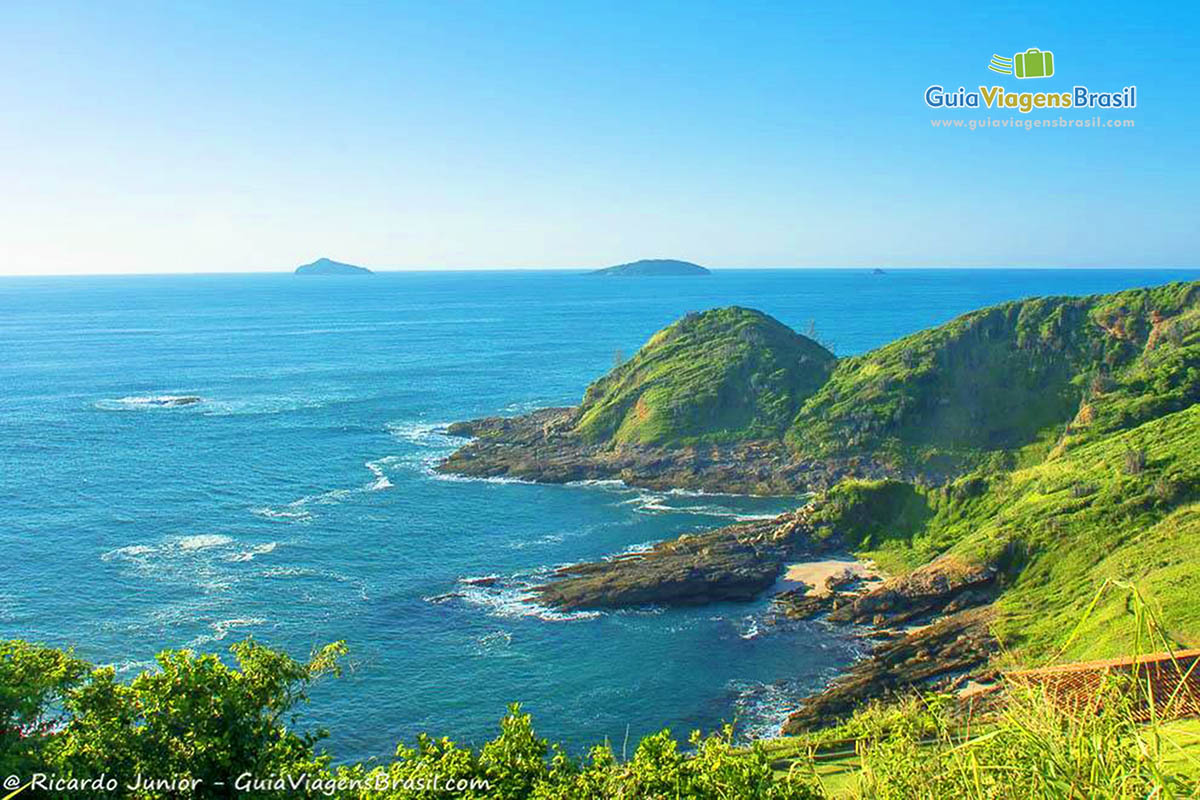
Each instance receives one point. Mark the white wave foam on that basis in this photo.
(257, 550)
(434, 444)
(508, 598)
(180, 550)
(286, 514)
(203, 541)
(222, 628)
(132, 665)
(748, 627)
(550, 538)
(631, 550)
(131, 551)
(260, 404)
(423, 434)
(496, 638)
(428, 468)
(601, 483)
(657, 503)
(762, 708)
(381, 479)
(298, 511)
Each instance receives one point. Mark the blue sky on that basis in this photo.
(228, 137)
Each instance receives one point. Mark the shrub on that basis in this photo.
(1135, 461)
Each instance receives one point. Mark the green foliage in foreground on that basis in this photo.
(198, 722)
(193, 716)
(921, 749)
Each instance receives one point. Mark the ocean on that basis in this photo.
(294, 502)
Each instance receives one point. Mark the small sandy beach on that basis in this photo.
(816, 574)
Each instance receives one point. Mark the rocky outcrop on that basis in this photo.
(951, 651)
(944, 585)
(543, 447)
(807, 602)
(737, 562)
(175, 400)
(740, 562)
(956, 646)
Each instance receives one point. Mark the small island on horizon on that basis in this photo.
(326, 266)
(650, 267)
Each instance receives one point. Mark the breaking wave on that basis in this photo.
(508, 597)
(299, 511)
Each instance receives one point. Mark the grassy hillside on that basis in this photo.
(1056, 440)
(1124, 506)
(725, 374)
(1001, 386)
(988, 384)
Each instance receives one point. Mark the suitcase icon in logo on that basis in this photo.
(1034, 63)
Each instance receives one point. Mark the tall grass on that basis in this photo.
(1034, 746)
(1031, 749)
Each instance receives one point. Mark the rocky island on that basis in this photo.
(325, 266)
(1000, 468)
(652, 267)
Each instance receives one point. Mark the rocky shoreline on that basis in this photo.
(930, 626)
(543, 447)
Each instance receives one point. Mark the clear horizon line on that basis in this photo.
(585, 270)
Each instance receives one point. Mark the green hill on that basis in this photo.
(997, 385)
(725, 374)
(1054, 441)
(992, 382)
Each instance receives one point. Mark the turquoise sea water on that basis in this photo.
(294, 503)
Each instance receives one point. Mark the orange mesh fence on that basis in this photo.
(1163, 685)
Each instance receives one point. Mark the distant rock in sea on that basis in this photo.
(325, 266)
(653, 267)
(174, 400)
(878, 271)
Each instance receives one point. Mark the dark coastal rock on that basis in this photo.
(800, 604)
(737, 562)
(182, 400)
(956, 644)
(543, 447)
(928, 659)
(944, 585)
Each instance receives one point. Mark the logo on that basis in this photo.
(1033, 63)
